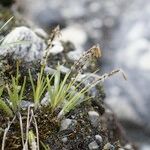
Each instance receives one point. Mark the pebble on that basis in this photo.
(94, 118)
(30, 47)
(98, 138)
(109, 146)
(74, 34)
(64, 69)
(128, 147)
(67, 123)
(93, 145)
(46, 100)
(26, 104)
(75, 55)
(64, 140)
(40, 32)
(57, 48)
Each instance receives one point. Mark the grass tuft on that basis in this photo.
(39, 88)
(16, 91)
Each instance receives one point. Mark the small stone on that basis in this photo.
(94, 118)
(40, 32)
(49, 70)
(26, 104)
(74, 34)
(75, 55)
(93, 146)
(64, 140)
(128, 147)
(109, 146)
(64, 69)
(57, 48)
(98, 138)
(46, 100)
(67, 123)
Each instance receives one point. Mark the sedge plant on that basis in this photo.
(65, 92)
(39, 88)
(3, 106)
(16, 91)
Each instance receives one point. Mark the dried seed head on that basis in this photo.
(95, 51)
(89, 55)
(54, 34)
(107, 75)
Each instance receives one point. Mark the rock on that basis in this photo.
(46, 100)
(40, 32)
(26, 104)
(30, 47)
(93, 146)
(49, 70)
(94, 118)
(75, 55)
(64, 140)
(98, 138)
(57, 48)
(128, 147)
(109, 146)
(74, 34)
(64, 69)
(67, 124)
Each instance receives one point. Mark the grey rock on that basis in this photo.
(49, 70)
(41, 33)
(64, 69)
(75, 55)
(22, 42)
(68, 124)
(128, 147)
(94, 118)
(26, 104)
(98, 138)
(109, 146)
(93, 146)
(57, 48)
(79, 37)
(46, 100)
(64, 140)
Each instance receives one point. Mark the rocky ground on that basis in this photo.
(92, 125)
(121, 27)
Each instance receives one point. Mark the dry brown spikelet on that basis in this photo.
(93, 53)
(54, 34)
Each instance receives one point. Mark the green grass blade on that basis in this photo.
(6, 23)
(32, 83)
(5, 108)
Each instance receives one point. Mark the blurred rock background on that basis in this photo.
(123, 30)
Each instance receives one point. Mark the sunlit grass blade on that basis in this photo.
(4, 107)
(15, 91)
(13, 43)
(5, 24)
(40, 87)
